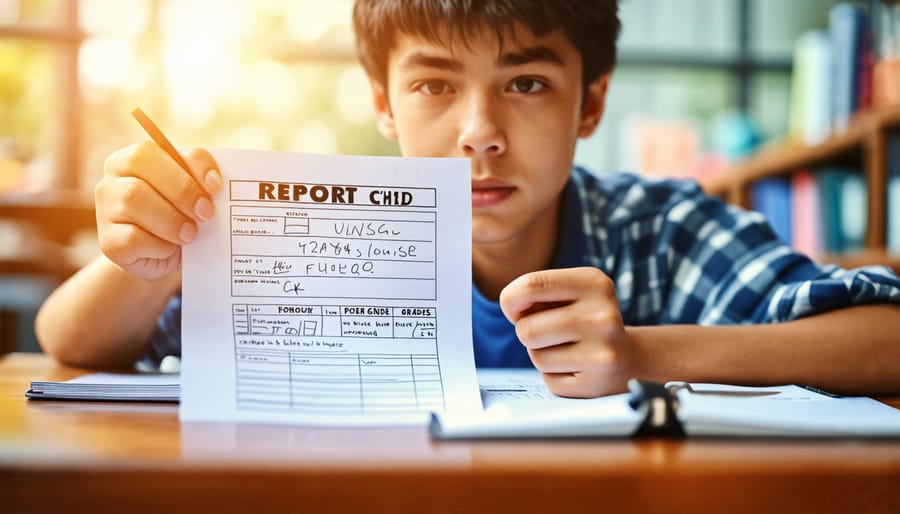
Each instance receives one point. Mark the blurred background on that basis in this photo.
(700, 85)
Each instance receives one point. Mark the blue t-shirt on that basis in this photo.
(675, 255)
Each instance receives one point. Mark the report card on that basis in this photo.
(330, 290)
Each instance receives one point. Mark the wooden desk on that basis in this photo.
(112, 457)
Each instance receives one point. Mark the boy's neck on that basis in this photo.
(497, 264)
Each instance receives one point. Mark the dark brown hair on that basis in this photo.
(592, 26)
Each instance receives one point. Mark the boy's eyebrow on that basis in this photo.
(419, 59)
(530, 54)
(518, 57)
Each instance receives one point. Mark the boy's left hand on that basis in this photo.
(570, 322)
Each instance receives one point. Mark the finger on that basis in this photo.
(126, 244)
(580, 385)
(149, 163)
(566, 384)
(128, 200)
(520, 296)
(553, 359)
(569, 358)
(524, 292)
(569, 323)
(547, 328)
(201, 164)
(204, 168)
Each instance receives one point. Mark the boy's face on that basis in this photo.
(516, 112)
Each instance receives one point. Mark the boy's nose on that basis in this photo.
(480, 132)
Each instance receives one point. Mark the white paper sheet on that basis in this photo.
(331, 290)
(518, 404)
(714, 409)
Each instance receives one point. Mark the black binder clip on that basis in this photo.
(661, 408)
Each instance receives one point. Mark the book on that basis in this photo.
(806, 214)
(853, 207)
(886, 69)
(843, 203)
(771, 197)
(517, 405)
(848, 24)
(810, 115)
(141, 387)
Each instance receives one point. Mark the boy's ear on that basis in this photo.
(384, 119)
(592, 109)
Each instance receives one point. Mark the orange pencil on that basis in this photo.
(160, 138)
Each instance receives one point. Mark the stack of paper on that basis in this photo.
(160, 387)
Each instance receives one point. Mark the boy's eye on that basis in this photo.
(433, 87)
(526, 85)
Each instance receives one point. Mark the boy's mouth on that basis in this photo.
(487, 193)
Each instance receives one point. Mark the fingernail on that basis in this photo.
(188, 232)
(204, 209)
(213, 180)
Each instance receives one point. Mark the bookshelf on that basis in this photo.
(52, 219)
(863, 144)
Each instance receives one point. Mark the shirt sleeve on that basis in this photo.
(165, 338)
(729, 267)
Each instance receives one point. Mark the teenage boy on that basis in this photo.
(591, 280)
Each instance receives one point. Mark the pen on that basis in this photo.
(157, 136)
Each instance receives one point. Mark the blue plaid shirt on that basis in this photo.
(676, 256)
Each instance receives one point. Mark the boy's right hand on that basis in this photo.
(147, 207)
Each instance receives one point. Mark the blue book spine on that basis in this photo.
(829, 181)
(847, 24)
(854, 205)
(771, 197)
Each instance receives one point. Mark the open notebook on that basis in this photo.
(518, 405)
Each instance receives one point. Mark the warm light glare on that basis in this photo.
(200, 54)
(352, 101)
(191, 107)
(198, 71)
(309, 21)
(314, 137)
(122, 18)
(104, 62)
(9, 11)
(251, 136)
(265, 74)
(221, 19)
(271, 86)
